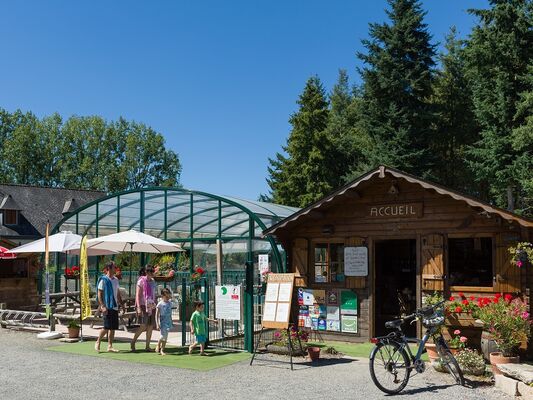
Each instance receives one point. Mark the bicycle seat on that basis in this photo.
(395, 324)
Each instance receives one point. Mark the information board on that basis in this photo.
(278, 299)
(228, 302)
(356, 261)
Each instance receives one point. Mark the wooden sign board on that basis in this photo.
(356, 261)
(278, 300)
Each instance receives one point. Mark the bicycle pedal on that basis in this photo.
(420, 366)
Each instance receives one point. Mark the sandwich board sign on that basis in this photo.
(278, 300)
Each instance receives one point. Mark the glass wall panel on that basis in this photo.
(107, 213)
(130, 211)
(154, 213)
(178, 220)
(87, 222)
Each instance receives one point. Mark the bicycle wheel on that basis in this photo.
(389, 367)
(451, 364)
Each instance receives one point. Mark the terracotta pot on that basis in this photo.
(314, 353)
(455, 351)
(498, 358)
(73, 333)
(431, 349)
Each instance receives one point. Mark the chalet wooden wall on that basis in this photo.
(432, 219)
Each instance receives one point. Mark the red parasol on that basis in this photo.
(6, 255)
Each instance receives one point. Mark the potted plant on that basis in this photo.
(457, 342)
(431, 348)
(73, 329)
(508, 322)
(72, 273)
(164, 268)
(280, 344)
(471, 362)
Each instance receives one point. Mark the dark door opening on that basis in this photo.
(395, 283)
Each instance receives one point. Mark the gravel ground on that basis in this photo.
(28, 371)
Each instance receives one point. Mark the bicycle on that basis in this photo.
(392, 360)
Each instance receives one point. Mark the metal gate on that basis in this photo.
(228, 334)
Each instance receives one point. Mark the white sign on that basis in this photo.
(333, 313)
(272, 292)
(282, 313)
(309, 298)
(285, 292)
(263, 264)
(228, 302)
(269, 313)
(356, 261)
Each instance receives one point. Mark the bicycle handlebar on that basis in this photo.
(424, 311)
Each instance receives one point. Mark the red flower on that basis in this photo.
(68, 271)
(498, 295)
(465, 302)
(461, 294)
(508, 297)
(458, 309)
(452, 298)
(496, 299)
(472, 298)
(200, 270)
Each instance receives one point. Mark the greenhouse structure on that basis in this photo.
(194, 219)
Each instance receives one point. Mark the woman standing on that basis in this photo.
(145, 304)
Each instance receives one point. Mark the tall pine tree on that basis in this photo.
(499, 53)
(456, 127)
(303, 175)
(350, 143)
(397, 76)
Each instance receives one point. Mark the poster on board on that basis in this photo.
(278, 298)
(356, 261)
(332, 297)
(228, 302)
(308, 297)
(272, 292)
(349, 324)
(333, 313)
(269, 312)
(333, 325)
(348, 302)
(320, 296)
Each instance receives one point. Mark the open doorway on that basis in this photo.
(395, 283)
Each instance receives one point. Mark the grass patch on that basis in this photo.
(357, 350)
(177, 357)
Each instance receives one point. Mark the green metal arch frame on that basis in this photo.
(253, 217)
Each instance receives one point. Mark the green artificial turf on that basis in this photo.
(176, 357)
(357, 350)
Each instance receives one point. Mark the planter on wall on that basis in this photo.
(498, 358)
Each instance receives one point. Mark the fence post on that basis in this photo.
(183, 311)
(249, 307)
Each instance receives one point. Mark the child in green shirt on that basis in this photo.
(198, 327)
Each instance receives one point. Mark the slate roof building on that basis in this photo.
(24, 212)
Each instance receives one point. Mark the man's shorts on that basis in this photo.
(111, 319)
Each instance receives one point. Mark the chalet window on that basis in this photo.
(329, 262)
(470, 261)
(11, 217)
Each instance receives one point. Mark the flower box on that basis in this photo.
(159, 278)
(460, 319)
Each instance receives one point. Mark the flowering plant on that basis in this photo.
(461, 304)
(471, 362)
(522, 253)
(198, 273)
(73, 271)
(457, 341)
(281, 338)
(164, 265)
(508, 322)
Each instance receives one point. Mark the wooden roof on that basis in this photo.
(381, 172)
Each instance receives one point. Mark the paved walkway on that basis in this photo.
(29, 371)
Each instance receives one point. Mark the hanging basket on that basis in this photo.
(163, 278)
(71, 276)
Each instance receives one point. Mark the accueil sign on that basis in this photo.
(405, 210)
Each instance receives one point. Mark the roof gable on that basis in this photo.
(382, 172)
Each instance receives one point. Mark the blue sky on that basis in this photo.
(218, 79)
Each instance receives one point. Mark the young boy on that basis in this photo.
(198, 328)
(163, 318)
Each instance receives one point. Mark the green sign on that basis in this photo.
(348, 302)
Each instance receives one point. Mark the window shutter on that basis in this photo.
(300, 256)
(507, 278)
(355, 282)
(432, 262)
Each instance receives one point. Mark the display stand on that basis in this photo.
(276, 310)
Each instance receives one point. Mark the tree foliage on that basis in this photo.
(84, 152)
(499, 54)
